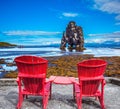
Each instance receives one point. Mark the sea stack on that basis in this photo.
(72, 37)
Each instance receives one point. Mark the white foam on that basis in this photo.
(9, 68)
(102, 52)
(51, 51)
(31, 49)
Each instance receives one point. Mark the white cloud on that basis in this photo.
(112, 35)
(109, 6)
(118, 23)
(95, 40)
(30, 33)
(100, 38)
(70, 14)
(117, 17)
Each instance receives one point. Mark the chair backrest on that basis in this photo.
(31, 65)
(32, 70)
(88, 71)
(91, 68)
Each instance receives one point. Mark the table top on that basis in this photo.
(62, 80)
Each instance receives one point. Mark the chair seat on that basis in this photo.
(77, 90)
(31, 75)
(46, 90)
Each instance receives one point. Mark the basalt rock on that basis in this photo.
(73, 37)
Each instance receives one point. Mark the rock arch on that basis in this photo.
(73, 37)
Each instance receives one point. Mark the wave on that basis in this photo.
(107, 44)
(55, 51)
(51, 47)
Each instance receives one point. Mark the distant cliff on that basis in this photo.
(6, 45)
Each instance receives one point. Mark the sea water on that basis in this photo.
(55, 51)
(50, 46)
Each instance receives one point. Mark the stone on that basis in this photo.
(73, 37)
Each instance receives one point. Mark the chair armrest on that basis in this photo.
(74, 81)
(51, 79)
(104, 82)
(18, 80)
(48, 80)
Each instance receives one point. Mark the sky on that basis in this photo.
(100, 19)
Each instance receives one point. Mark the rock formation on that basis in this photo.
(73, 37)
(6, 45)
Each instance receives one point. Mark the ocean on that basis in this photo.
(50, 46)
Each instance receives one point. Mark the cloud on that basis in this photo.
(117, 17)
(109, 6)
(30, 33)
(100, 38)
(114, 34)
(65, 14)
(95, 40)
(62, 14)
(118, 23)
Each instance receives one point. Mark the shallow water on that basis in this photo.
(55, 51)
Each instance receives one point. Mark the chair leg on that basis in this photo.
(73, 91)
(26, 96)
(78, 100)
(50, 90)
(101, 97)
(20, 101)
(45, 101)
(101, 102)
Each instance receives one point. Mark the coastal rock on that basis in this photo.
(64, 66)
(73, 36)
(2, 61)
(6, 45)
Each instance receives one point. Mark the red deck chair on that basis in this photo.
(32, 78)
(91, 81)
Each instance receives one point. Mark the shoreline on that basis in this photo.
(55, 51)
(67, 65)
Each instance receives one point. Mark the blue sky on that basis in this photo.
(100, 19)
